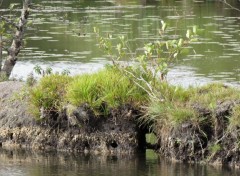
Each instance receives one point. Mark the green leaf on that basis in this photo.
(38, 69)
(11, 6)
(175, 55)
(165, 65)
(110, 36)
(95, 30)
(188, 34)
(164, 25)
(66, 72)
(174, 42)
(119, 48)
(122, 37)
(195, 29)
(180, 42)
(167, 45)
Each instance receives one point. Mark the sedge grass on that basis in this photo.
(48, 93)
(107, 85)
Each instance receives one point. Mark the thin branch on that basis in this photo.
(234, 8)
(150, 93)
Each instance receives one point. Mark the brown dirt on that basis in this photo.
(209, 140)
(116, 133)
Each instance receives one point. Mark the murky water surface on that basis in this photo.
(62, 35)
(22, 163)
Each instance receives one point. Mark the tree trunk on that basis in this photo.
(17, 41)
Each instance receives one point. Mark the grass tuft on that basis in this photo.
(182, 114)
(177, 104)
(212, 94)
(48, 93)
(107, 85)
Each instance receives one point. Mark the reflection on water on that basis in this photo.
(26, 163)
(62, 31)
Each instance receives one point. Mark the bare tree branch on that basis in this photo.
(14, 49)
(232, 7)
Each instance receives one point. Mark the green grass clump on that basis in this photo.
(48, 93)
(182, 114)
(110, 86)
(174, 93)
(212, 94)
(173, 108)
(107, 85)
(177, 103)
(170, 113)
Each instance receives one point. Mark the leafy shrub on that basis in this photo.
(151, 65)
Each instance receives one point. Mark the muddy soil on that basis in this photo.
(209, 140)
(83, 131)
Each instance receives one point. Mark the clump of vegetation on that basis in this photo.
(204, 121)
(177, 104)
(212, 94)
(174, 107)
(108, 86)
(169, 104)
(48, 94)
(150, 66)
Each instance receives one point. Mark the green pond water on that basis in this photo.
(26, 163)
(62, 35)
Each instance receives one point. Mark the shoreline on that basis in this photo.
(119, 134)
